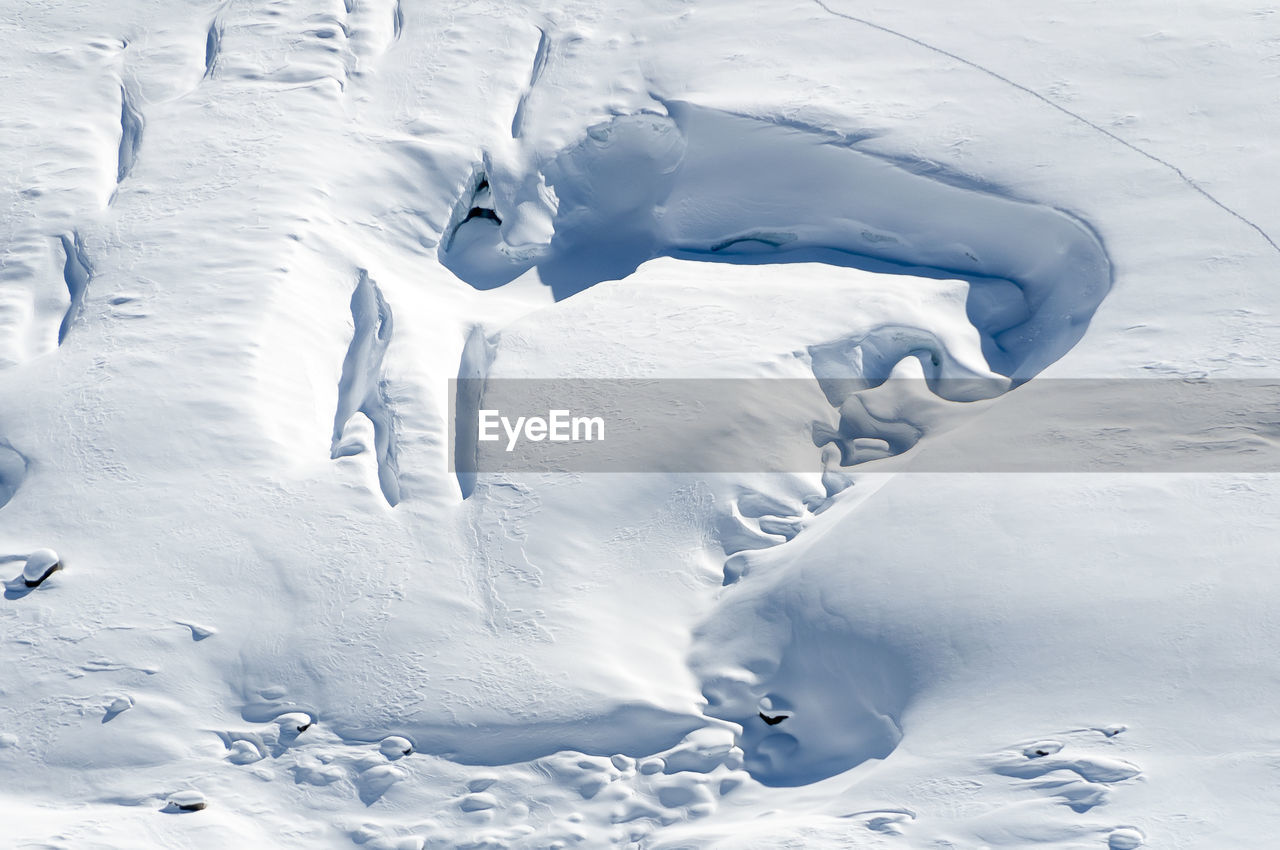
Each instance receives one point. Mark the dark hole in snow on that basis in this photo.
(481, 212)
(773, 720)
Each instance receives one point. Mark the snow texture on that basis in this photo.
(245, 246)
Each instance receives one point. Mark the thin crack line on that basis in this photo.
(1020, 87)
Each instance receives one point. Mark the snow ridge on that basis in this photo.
(76, 272)
(539, 62)
(130, 134)
(212, 44)
(13, 469)
(361, 389)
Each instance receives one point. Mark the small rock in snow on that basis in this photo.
(394, 747)
(294, 722)
(1041, 748)
(186, 801)
(41, 564)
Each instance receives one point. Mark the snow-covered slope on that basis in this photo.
(246, 248)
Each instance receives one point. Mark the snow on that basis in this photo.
(246, 246)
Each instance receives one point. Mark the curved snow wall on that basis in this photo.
(13, 469)
(703, 184)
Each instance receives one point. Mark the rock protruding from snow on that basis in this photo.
(41, 564)
(1040, 749)
(186, 801)
(395, 747)
(294, 723)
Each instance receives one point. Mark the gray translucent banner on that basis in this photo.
(794, 425)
